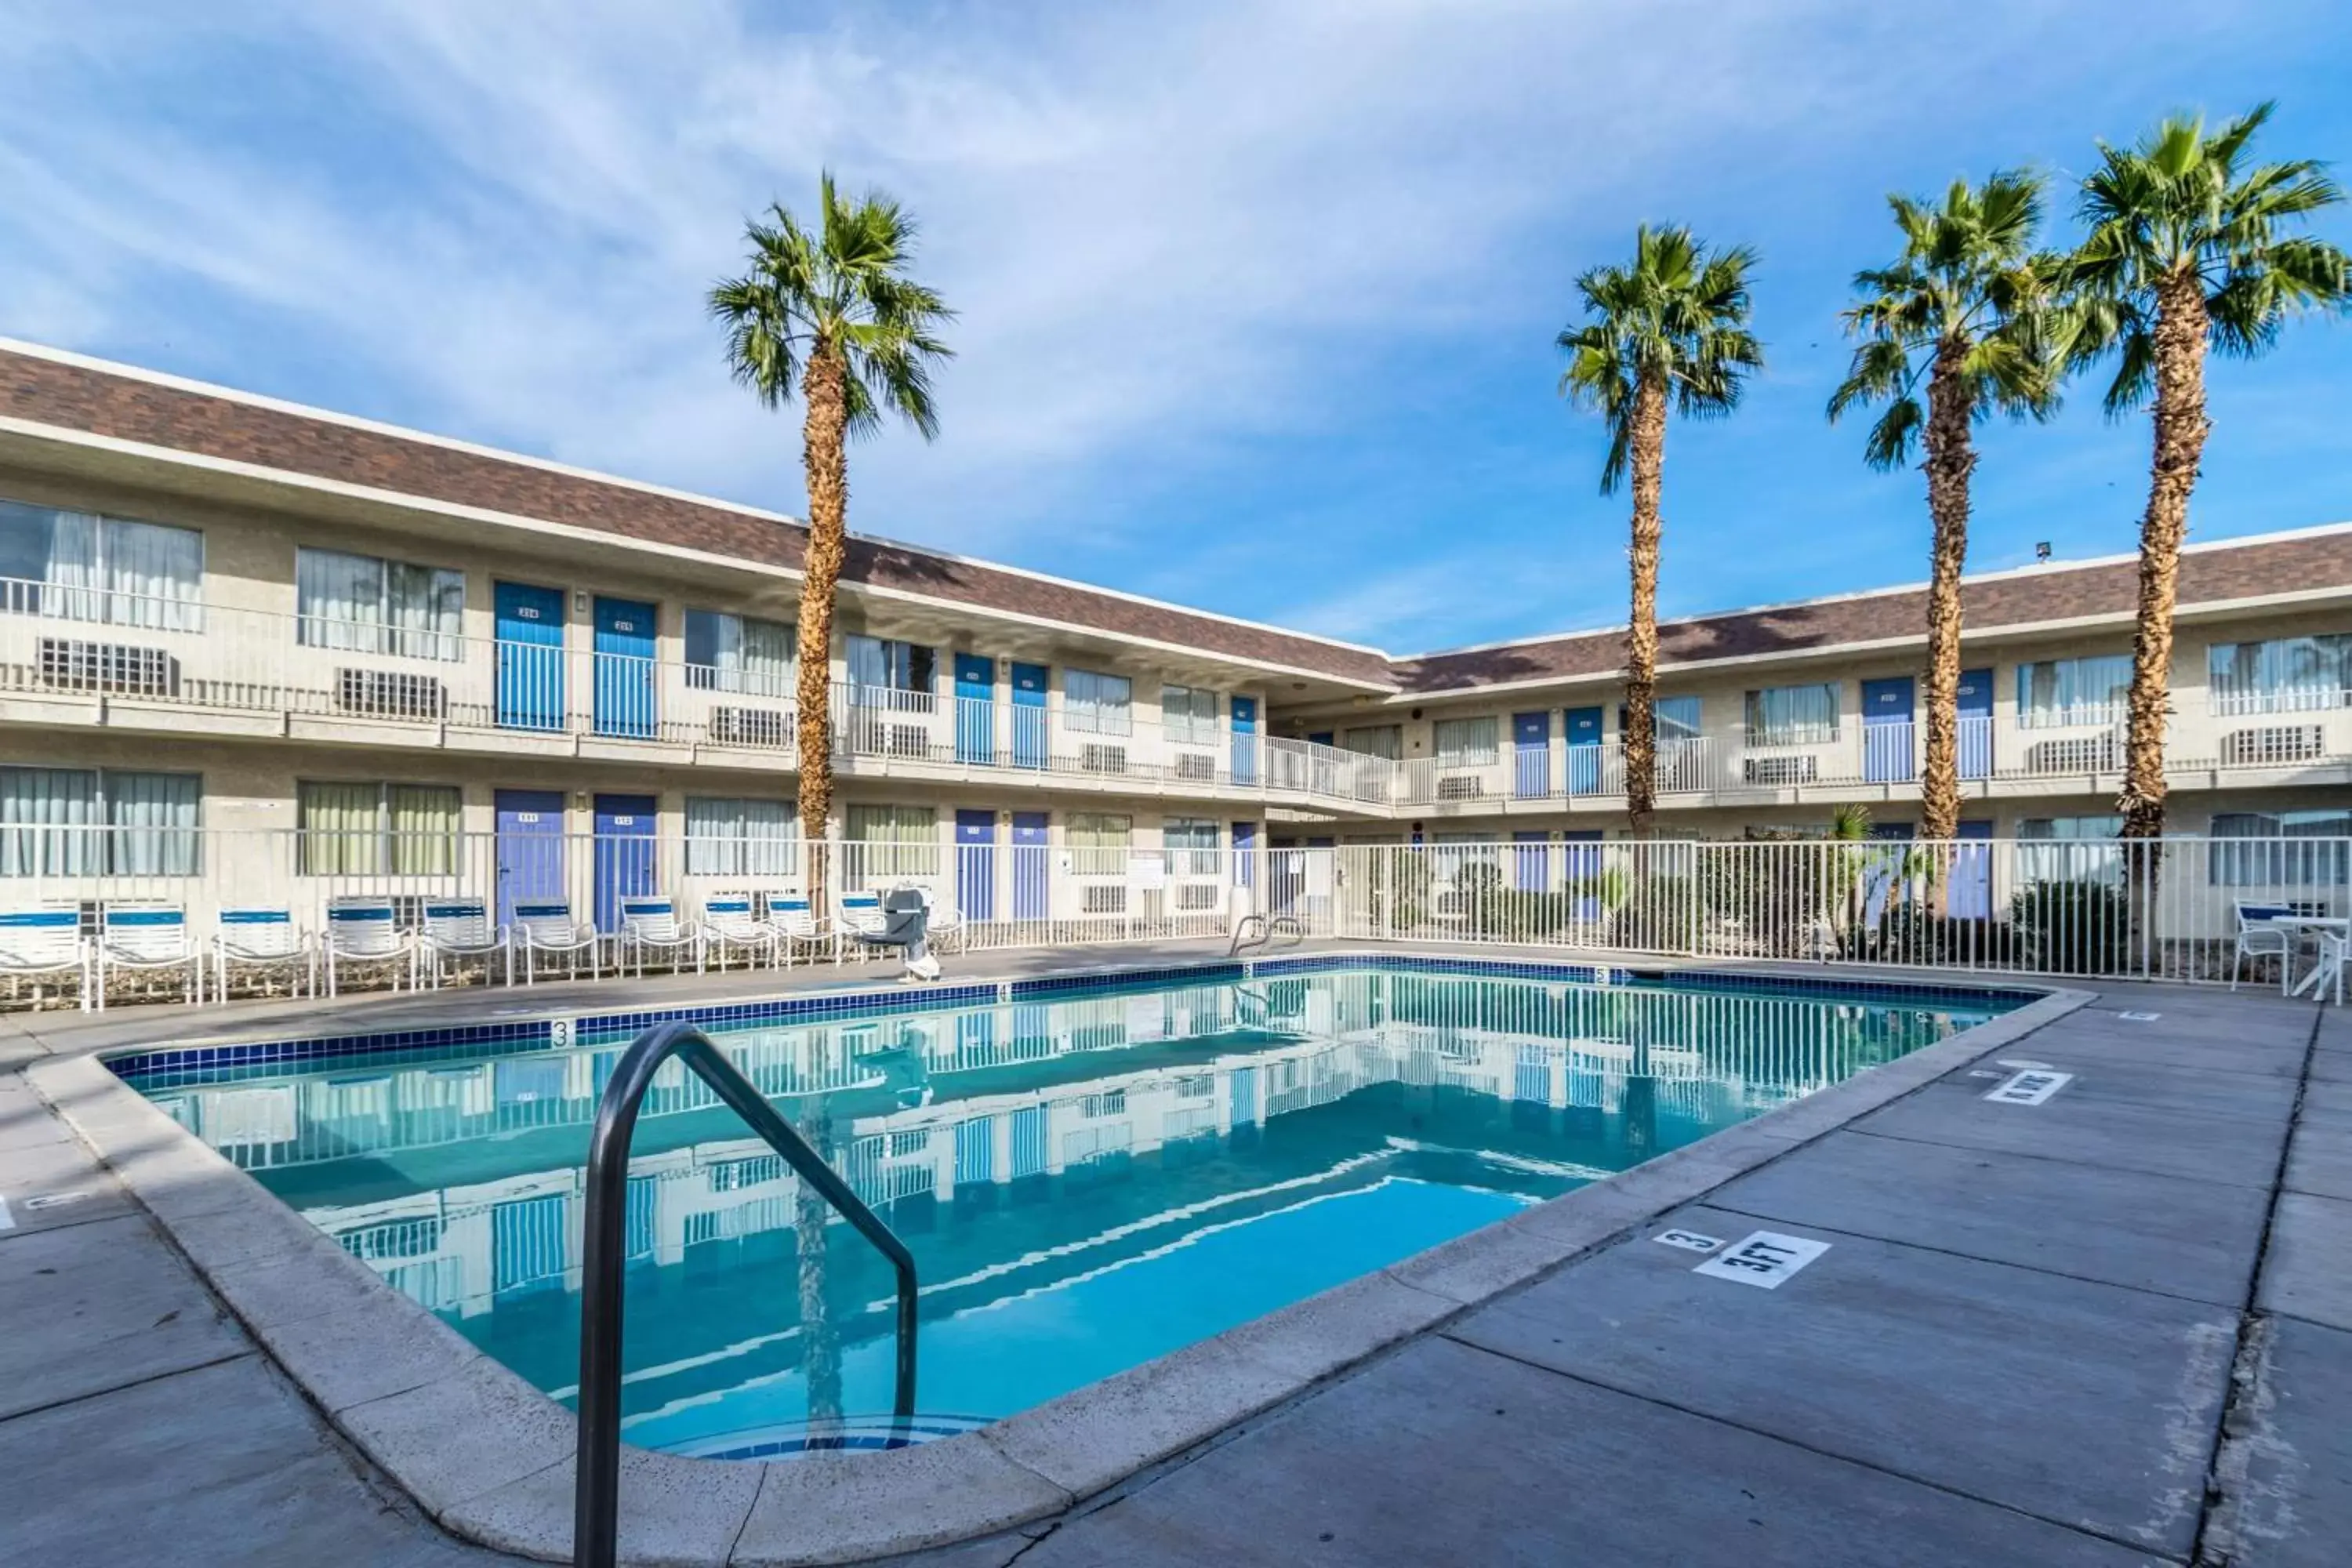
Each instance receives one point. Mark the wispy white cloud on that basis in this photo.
(1174, 228)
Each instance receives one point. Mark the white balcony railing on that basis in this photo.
(318, 677)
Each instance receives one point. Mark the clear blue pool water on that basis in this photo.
(1086, 1183)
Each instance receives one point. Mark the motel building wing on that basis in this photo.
(269, 642)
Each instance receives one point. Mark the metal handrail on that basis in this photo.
(596, 1489)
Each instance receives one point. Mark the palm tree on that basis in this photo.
(1962, 310)
(831, 314)
(2185, 253)
(1670, 330)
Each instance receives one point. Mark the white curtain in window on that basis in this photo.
(1468, 742)
(63, 799)
(154, 575)
(2073, 690)
(1096, 704)
(1794, 715)
(1189, 714)
(156, 816)
(1383, 740)
(767, 657)
(361, 603)
(892, 841)
(1191, 846)
(2285, 675)
(727, 837)
(1098, 842)
(423, 819)
(342, 828)
(1676, 718)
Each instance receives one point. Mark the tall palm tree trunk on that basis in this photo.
(2179, 340)
(827, 468)
(1951, 455)
(1645, 452)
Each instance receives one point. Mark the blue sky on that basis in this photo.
(1257, 299)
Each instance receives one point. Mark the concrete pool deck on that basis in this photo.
(2113, 1327)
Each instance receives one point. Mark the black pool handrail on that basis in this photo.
(596, 1477)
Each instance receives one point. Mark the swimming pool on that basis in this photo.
(1088, 1178)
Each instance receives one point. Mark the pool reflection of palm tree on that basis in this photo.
(820, 1335)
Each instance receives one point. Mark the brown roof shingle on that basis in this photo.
(130, 408)
(2044, 594)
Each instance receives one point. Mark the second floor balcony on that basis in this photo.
(78, 657)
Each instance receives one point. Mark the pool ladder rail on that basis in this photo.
(1258, 932)
(596, 1494)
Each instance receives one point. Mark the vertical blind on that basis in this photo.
(1191, 846)
(737, 653)
(371, 605)
(373, 829)
(2285, 675)
(81, 822)
(1467, 742)
(2283, 849)
(1098, 842)
(74, 566)
(2057, 692)
(1189, 714)
(1095, 703)
(729, 837)
(1794, 715)
(879, 664)
(893, 841)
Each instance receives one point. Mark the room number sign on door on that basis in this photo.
(1766, 1260)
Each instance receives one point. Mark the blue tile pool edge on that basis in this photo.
(136, 1062)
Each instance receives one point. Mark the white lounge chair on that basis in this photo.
(727, 926)
(544, 931)
(46, 942)
(149, 939)
(858, 916)
(2258, 936)
(457, 930)
(799, 928)
(652, 925)
(2334, 958)
(362, 932)
(946, 926)
(264, 939)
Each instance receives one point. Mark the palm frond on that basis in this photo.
(839, 287)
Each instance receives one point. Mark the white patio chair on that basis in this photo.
(727, 926)
(545, 929)
(2334, 958)
(457, 930)
(46, 942)
(149, 939)
(857, 918)
(362, 932)
(2259, 936)
(263, 939)
(947, 926)
(799, 928)
(651, 925)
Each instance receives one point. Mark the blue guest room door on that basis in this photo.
(1887, 747)
(530, 655)
(625, 668)
(530, 847)
(1976, 723)
(975, 725)
(1030, 741)
(1582, 728)
(1245, 712)
(625, 853)
(1030, 864)
(1531, 755)
(976, 864)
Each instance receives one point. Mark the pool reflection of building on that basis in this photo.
(459, 1182)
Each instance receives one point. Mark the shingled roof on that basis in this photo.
(68, 392)
(77, 394)
(2212, 574)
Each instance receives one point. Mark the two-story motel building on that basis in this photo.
(227, 611)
